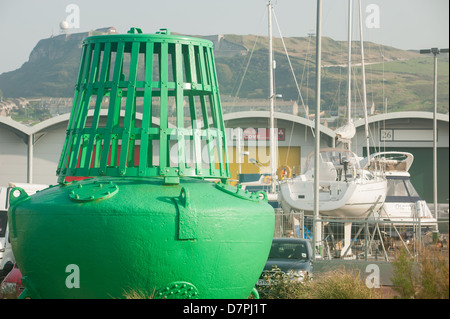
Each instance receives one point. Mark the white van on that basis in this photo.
(7, 259)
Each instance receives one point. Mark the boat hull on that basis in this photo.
(407, 214)
(336, 199)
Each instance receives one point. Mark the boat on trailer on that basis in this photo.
(345, 188)
(403, 204)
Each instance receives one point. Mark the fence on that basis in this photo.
(362, 239)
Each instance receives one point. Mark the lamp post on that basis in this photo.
(435, 52)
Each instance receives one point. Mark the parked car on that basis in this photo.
(7, 259)
(292, 256)
(11, 287)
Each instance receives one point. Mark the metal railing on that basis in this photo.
(359, 239)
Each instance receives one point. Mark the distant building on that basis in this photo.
(225, 48)
(9, 105)
(101, 31)
(230, 104)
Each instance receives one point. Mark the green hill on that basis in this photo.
(402, 78)
(51, 70)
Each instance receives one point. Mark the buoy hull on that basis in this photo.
(187, 240)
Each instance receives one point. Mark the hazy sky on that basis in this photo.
(404, 24)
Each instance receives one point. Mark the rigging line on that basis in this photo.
(248, 62)
(358, 93)
(383, 103)
(290, 64)
(369, 49)
(374, 126)
(304, 66)
(245, 72)
(289, 145)
(372, 136)
(337, 98)
(293, 74)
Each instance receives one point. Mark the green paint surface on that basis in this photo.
(131, 241)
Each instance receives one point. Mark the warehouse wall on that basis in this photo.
(297, 144)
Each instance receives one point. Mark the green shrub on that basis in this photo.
(337, 284)
(343, 284)
(281, 286)
(426, 278)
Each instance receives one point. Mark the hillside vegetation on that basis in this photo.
(403, 79)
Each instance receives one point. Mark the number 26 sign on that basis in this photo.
(386, 135)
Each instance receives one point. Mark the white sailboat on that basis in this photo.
(345, 188)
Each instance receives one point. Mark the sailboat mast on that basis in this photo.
(363, 71)
(316, 227)
(273, 152)
(349, 64)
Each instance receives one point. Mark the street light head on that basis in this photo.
(433, 50)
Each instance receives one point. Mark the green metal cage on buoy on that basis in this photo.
(175, 78)
(142, 202)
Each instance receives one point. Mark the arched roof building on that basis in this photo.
(31, 154)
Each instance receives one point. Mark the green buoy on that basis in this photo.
(156, 214)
